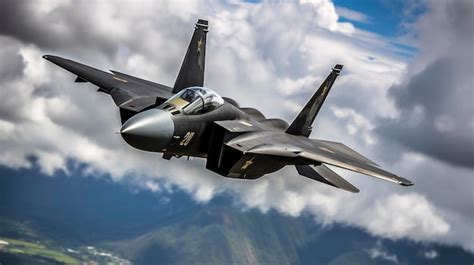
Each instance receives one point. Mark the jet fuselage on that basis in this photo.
(158, 130)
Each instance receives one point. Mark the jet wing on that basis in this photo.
(317, 151)
(239, 125)
(353, 164)
(128, 92)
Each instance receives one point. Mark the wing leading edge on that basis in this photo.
(128, 92)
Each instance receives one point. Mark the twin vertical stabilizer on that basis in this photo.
(302, 124)
(192, 69)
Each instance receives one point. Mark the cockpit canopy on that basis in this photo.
(193, 100)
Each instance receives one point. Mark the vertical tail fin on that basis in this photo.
(302, 124)
(192, 69)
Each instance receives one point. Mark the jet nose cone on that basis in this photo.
(150, 130)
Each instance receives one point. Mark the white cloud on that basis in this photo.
(275, 52)
(352, 14)
(357, 124)
(444, 123)
(378, 252)
(399, 215)
(326, 16)
(431, 254)
(434, 98)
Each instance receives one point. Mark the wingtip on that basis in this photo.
(50, 57)
(356, 190)
(348, 189)
(405, 182)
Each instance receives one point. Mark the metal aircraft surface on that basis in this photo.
(191, 120)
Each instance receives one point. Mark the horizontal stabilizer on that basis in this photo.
(325, 175)
(80, 80)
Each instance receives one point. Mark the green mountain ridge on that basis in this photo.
(221, 235)
(170, 228)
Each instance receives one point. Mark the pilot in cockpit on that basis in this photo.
(189, 95)
(192, 101)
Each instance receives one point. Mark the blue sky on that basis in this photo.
(387, 18)
(384, 16)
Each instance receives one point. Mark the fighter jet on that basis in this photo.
(190, 120)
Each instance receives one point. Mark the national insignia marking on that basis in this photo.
(247, 163)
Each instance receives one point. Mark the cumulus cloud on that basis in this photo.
(352, 14)
(383, 219)
(378, 252)
(435, 98)
(357, 124)
(279, 52)
(430, 254)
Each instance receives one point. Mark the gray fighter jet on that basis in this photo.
(191, 120)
